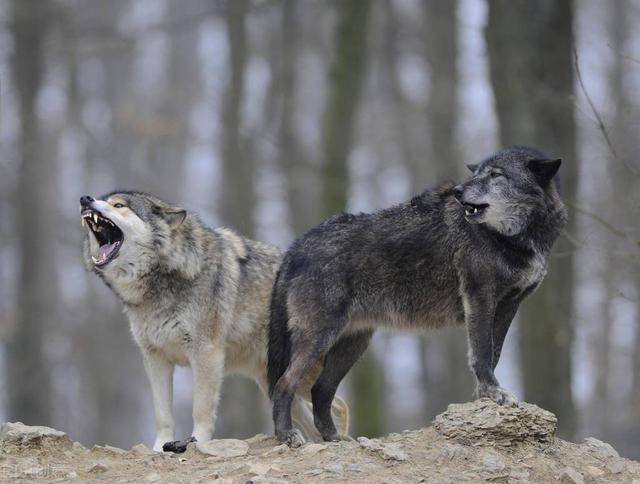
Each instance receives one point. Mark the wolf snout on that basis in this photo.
(86, 201)
(458, 191)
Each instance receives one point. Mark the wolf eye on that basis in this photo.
(118, 205)
(495, 174)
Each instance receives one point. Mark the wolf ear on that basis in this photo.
(544, 170)
(173, 216)
(472, 167)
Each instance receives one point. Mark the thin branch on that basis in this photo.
(614, 230)
(601, 125)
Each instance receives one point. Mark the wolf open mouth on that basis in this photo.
(107, 234)
(474, 210)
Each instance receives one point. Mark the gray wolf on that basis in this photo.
(466, 254)
(194, 296)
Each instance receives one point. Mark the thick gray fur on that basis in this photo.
(194, 296)
(467, 254)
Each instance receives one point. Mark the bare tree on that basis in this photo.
(28, 371)
(531, 56)
(346, 75)
(237, 204)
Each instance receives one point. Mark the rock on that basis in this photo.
(569, 475)
(223, 448)
(33, 471)
(108, 449)
(492, 461)
(78, 447)
(312, 449)
(616, 467)
(489, 423)
(594, 471)
(259, 468)
(334, 468)
(141, 449)
(353, 468)
(18, 433)
(267, 480)
(152, 477)
(278, 449)
(599, 447)
(386, 451)
(313, 472)
(259, 438)
(98, 468)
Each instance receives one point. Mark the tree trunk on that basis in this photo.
(530, 52)
(346, 76)
(238, 200)
(238, 193)
(28, 371)
(298, 181)
(451, 380)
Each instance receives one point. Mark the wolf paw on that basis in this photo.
(293, 438)
(178, 446)
(498, 395)
(338, 438)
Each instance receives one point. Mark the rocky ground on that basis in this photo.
(472, 442)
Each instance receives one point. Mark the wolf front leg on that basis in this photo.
(160, 373)
(207, 365)
(479, 318)
(505, 312)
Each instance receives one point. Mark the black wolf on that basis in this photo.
(456, 254)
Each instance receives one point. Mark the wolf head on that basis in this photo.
(130, 232)
(507, 188)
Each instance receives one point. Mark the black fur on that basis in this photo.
(452, 255)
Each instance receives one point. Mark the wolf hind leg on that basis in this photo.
(302, 415)
(340, 414)
(338, 361)
(307, 348)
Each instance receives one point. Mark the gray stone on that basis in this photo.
(18, 433)
(485, 421)
(259, 468)
(492, 461)
(313, 472)
(78, 447)
(312, 449)
(278, 449)
(141, 449)
(334, 468)
(259, 438)
(569, 475)
(617, 467)
(600, 447)
(98, 468)
(385, 450)
(223, 448)
(152, 477)
(268, 480)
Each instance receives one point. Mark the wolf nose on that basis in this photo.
(86, 200)
(457, 192)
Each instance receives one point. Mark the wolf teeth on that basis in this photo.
(471, 210)
(95, 217)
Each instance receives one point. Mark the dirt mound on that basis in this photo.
(473, 442)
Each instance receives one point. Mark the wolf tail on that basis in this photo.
(279, 350)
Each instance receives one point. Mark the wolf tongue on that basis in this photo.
(105, 250)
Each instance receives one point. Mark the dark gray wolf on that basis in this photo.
(194, 297)
(456, 254)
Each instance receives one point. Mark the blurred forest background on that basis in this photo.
(268, 116)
